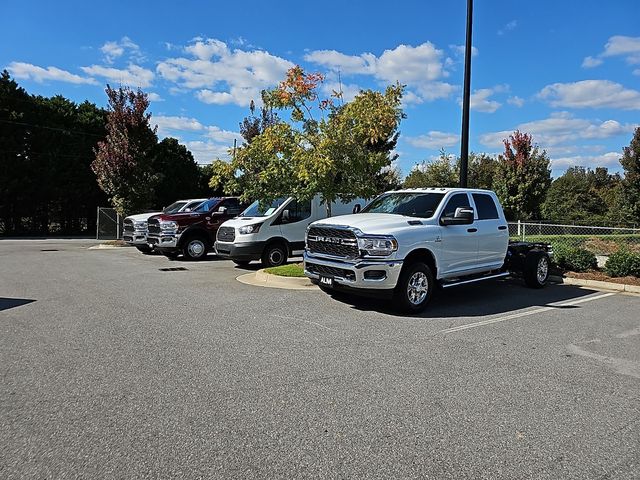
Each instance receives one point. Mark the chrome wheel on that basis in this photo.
(543, 269)
(276, 257)
(417, 288)
(196, 248)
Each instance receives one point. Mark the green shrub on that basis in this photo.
(572, 258)
(623, 263)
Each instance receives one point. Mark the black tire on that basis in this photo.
(195, 247)
(146, 249)
(274, 255)
(536, 269)
(409, 295)
(241, 263)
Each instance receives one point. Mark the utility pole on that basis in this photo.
(464, 147)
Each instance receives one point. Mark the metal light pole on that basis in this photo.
(464, 147)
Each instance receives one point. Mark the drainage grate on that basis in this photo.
(49, 250)
(173, 269)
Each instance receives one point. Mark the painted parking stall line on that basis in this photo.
(523, 314)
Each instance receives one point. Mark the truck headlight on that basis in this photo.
(247, 229)
(169, 227)
(378, 246)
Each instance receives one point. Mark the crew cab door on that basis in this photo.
(459, 250)
(293, 222)
(493, 231)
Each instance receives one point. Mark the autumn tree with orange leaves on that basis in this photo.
(336, 149)
(522, 177)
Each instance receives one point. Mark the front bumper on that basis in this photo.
(165, 241)
(135, 237)
(365, 274)
(240, 251)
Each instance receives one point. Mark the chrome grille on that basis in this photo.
(127, 226)
(226, 234)
(336, 242)
(330, 271)
(153, 226)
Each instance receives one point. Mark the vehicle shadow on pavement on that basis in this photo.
(7, 303)
(477, 300)
(211, 257)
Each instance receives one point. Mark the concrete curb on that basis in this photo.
(597, 284)
(108, 247)
(263, 279)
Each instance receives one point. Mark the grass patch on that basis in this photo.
(116, 243)
(289, 270)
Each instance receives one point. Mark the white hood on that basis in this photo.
(142, 216)
(373, 223)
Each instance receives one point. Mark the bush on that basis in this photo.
(572, 258)
(623, 263)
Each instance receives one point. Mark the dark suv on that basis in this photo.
(191, 233)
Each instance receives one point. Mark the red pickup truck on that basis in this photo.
(191, 234)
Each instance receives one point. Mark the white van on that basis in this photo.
(274, 232)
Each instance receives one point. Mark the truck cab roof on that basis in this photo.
(439, 190)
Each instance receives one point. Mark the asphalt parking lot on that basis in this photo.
(113, 368)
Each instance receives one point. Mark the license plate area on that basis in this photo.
(326, 281)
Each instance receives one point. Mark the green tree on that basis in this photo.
(631, 183)
(574, 196)
(337, 155)
(441, 172)
(124, 160)
(522, 177)
(176, 174)
(481, 170)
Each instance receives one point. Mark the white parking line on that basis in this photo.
(523, 314)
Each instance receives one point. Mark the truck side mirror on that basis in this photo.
(220, 211)
(356, 208)
(462, 216)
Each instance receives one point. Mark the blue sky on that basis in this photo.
(566, 71)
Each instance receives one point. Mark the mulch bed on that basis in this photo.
(594, 275)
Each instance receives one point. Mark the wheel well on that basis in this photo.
(194, 232)
(422, 255)
(280, 240)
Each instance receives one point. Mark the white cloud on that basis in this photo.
(206, 152)
(421, 68)
(154, 97)
(459, 50)
(508, 27)
(168, 125)
(591, 94)
(610, 159)
(636, 71)
(561, 128)
(115, 49)
(27, 71)
(133, 75)
(480, 101)
(515, 101)
(590, 62)
(617, 46)
(434, 140)
(222, 75)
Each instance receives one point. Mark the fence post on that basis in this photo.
(97, 222)
(518, 227)
(524, 227)
(117, 226)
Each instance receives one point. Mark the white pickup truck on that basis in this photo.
(406, 243)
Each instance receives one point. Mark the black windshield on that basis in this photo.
(404, 203)
(256, 209)
(174, 207)
(208, 205)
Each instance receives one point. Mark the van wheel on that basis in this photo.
(536, 269)
(415, 288)
(146, 249)
(274, 255)
(195, 248)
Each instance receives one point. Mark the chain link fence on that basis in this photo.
(109, 224)
(600, 240)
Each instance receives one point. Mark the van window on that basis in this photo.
(457, 201)
(298, 210)
(257, 209)
(486, 206)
